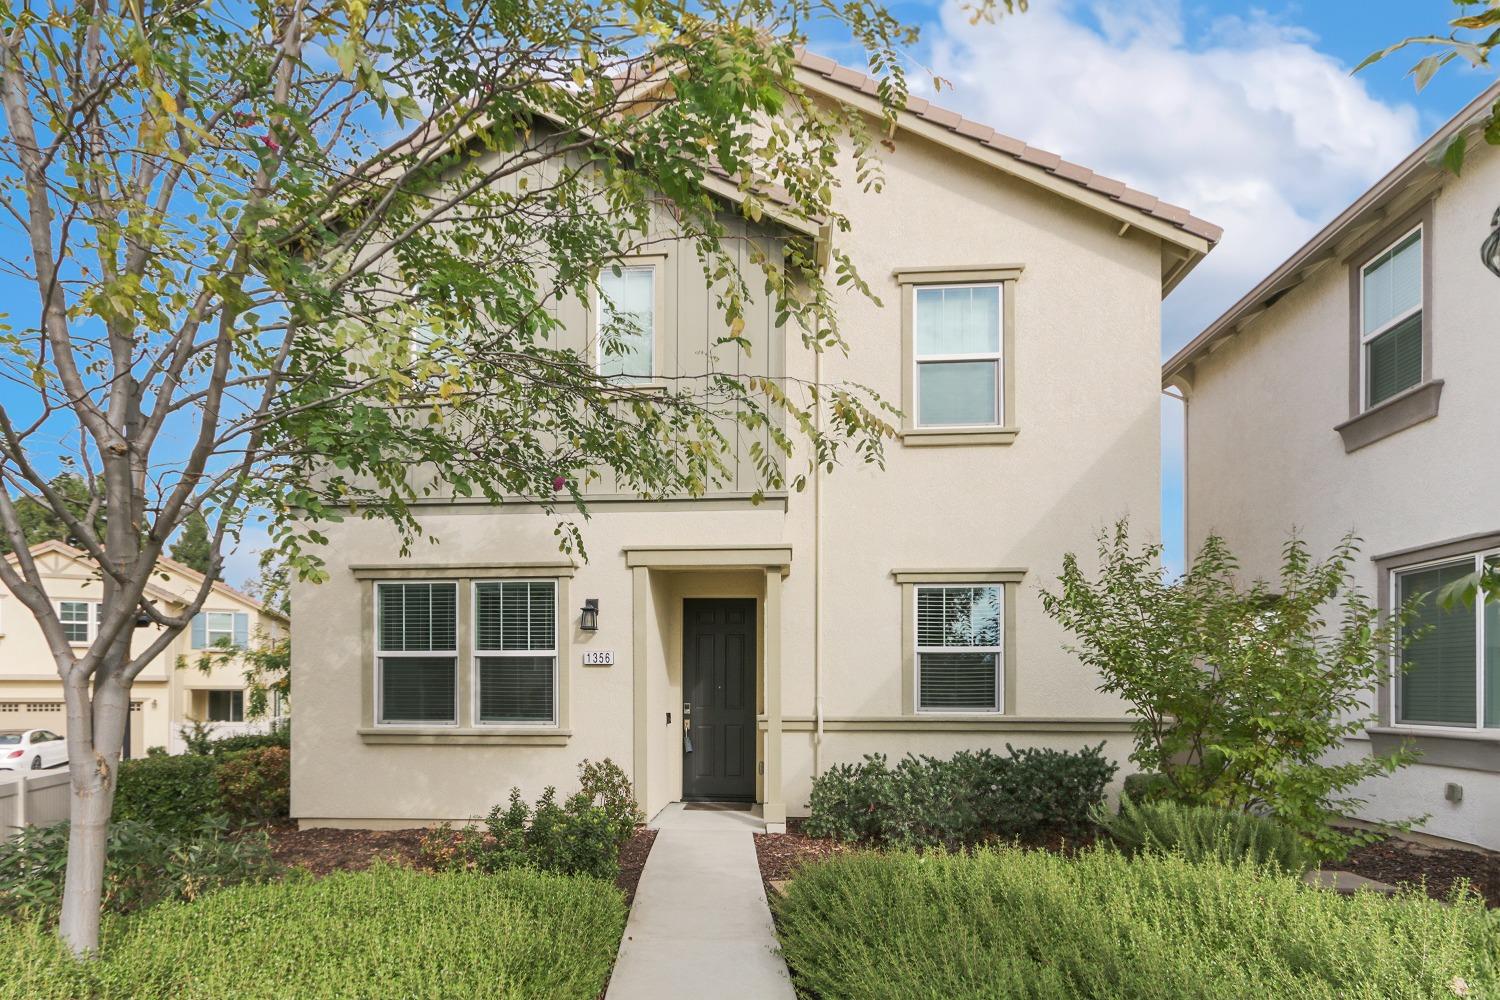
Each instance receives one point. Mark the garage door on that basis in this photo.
(52, 715)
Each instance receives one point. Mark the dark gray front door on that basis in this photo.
(718, 680)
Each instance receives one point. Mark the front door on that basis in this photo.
(718, 682)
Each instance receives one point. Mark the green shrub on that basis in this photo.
(173, 794)
(255, 785)
(386, 932)
(143, 866)
(1205, 833)
(580, 836)
(1032, 925)
(200, 740)
(972, 796)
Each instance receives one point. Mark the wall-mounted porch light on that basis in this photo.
(588, 615)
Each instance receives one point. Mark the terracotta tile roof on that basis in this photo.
(1050, 162)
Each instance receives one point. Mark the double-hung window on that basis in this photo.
(77, 619)
(627, 322)
(1390, 322)
(1451, 656)
(959, 380)
(416, 652)
(216, 629)
(959, 648)
(515, 651)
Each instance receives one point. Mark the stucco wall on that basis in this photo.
(1086, 349)
(1264, 458)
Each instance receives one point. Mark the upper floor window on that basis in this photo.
(221, 628)
(959, 648)
(1391, 319)
(958, 379)
(1452, 654)
(627, 322)
(80, 620)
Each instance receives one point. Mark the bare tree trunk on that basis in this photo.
(93, 759)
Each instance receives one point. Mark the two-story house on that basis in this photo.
(172, 691)
(722, 650)
(1354, 389)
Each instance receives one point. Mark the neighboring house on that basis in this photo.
(1355, 389)
(164, 698)
(723, 650)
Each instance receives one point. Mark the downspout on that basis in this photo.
(818, 574)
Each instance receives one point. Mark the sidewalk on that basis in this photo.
(700, 926)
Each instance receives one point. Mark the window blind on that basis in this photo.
(1393, 283)
(515, 688)
(418, 617)
(958, 648)
(417, 689)
(1438, 686)
(1394, 360)
(518, 615)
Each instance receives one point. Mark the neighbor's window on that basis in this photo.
(515, 650)
(416, 635)
(75, 617)
(1391, 319)
(226, 706)
(221, 628)
(959, 648)
(1452, 654)
(627, 322)
(958, 377)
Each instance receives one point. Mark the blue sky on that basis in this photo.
(1244, 113)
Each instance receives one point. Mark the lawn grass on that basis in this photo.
(386, 932)
(1028, 924)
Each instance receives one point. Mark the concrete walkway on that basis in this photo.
(700, 926)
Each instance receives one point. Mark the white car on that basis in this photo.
(31, 748)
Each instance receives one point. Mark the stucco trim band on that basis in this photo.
(958, 575)
(955, 724)
(727, 557)
(1479, 751)
(459, 571)
(944, 274)
(1405, 409)
(464, 737)
(932, 437)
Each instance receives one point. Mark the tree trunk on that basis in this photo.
(95, 733)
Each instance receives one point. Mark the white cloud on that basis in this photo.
(1249, 126)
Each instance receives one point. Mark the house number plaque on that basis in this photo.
(598, 658)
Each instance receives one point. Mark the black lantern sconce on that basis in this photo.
(588, 615)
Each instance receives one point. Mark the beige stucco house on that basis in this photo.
(1354, 389)
(719, 649)
(164, 698)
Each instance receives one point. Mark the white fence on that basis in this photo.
(32, 801)
(218, 730)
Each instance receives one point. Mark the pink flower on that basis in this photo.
(558, 482)
(271, 143)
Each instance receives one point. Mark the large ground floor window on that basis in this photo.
(1452, 651)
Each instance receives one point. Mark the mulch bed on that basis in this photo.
(781, 854)
(322, 851)
(1402, 862)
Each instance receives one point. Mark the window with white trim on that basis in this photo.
(959, 647)
(218, 627)
(958, 381)
(1390, 329)
(80, 620)
(515, 652)
(416, 653)
(1451, 656)
(627, 322)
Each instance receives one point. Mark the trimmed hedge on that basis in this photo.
(973, 796)
(172, 794)
(1031, 925)
(386, 932)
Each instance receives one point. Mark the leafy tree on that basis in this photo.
(38, 522)
(1239, 693)
(192, 547)
(250, 293)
